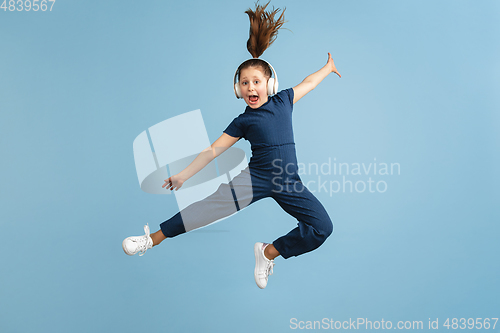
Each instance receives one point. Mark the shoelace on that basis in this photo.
(269, 269)
(143, 245)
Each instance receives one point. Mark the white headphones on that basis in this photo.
(272, 83)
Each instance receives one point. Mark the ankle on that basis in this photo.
(157, 237)
(270, 252)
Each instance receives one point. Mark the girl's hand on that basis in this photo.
(174, 182)
(332, 65)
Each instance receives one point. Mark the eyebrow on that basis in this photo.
(244, 77)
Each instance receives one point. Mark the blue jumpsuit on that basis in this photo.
(272, 172)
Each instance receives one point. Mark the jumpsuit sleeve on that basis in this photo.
(286, 98)
(235, 129)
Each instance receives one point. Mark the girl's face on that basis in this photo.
(253, 85)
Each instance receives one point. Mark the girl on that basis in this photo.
(272, 171)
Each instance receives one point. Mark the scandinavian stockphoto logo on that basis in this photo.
(168, 147)
(334, 177)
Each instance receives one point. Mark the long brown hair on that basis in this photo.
(263, 28)
(263, 32)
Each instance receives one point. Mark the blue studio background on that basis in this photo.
(419, 89)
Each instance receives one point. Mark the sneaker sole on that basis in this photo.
(256, 250)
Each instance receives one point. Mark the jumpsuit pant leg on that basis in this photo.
(314, 224)
(242, 191)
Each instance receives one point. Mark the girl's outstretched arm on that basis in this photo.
(314, 79)
(206, 156)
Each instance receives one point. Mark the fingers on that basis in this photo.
(334, 69)
(168, 184)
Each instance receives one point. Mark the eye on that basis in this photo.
(256, 81)
(244, 83)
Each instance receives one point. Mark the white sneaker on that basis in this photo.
(132, 245)
(263, 266)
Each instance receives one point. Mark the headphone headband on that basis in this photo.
(273, 82)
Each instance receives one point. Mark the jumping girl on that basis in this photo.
(272, 171)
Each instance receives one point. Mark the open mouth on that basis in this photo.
(253, 98)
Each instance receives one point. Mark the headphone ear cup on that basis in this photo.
(237, 90)
(270, 86)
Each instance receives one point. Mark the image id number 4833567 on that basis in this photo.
(27, 5)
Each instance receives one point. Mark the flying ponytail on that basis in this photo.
(263, 28)
(263, 31)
